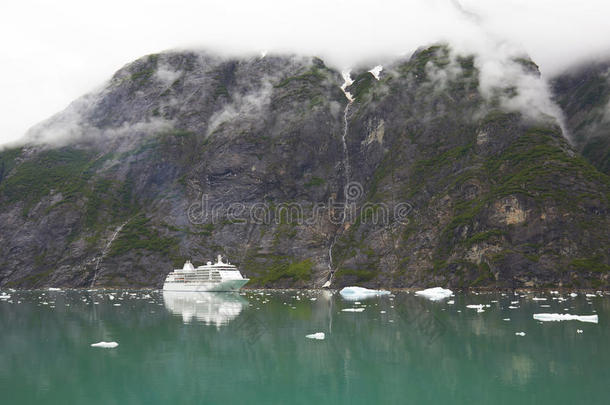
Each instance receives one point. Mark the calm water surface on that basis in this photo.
(250, 348)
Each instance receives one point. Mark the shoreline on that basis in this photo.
(393, 290)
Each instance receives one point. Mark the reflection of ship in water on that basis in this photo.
(211, 308)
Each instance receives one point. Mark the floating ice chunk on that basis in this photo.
(591, 295)
(506, 319)
(105, 345)
(317, 336)
(359, 293)
(4, 296)
(382, 312)
(573, 295)
(111, 297)
(520, 333)
(472, 306)
(578, 330)
(512, 307)
(451, 302)
(514, 302)
(539, 299)
(352, 309)
(54, 289)
(566, 317)
(435, 294)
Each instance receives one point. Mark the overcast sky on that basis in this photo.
(53, 52)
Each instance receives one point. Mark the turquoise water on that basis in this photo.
(251, 349)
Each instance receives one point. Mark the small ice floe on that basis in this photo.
(506, 319)
(573, 295)
(512, 307)
(360, 293)
(105, 345)
(111, 297)
(565, 317)
(382, 312)
(539, 299)
(54, 289)
(317, 336)
(591, 295)
(116, 305)
(313, 299)
(514, 302)
(435, 294)
(472, 306)
(451, 302)
(520, 333)
(545, 306)
(578, 330)
(4, 296)
(352, 309)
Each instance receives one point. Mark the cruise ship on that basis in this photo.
(211, 277)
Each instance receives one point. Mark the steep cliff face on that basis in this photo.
(186, 155)
(584, 93)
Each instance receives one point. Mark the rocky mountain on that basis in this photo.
(584, 96)
(425, 174)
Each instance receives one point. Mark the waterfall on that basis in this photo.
(105, 251)
(347, 81)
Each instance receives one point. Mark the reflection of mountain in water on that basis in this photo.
(216, 308)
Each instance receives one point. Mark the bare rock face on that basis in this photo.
(420, 178)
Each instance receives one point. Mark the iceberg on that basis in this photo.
(105, 345)
(360, 293)
(352, 309)
(317, 336)
(54, 289)
(435, 294)
(565, 317)
(520, 333)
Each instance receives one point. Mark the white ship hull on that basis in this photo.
(228, 285)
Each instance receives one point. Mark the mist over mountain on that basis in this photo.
(584, 95)
(457, 168)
